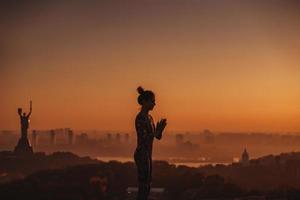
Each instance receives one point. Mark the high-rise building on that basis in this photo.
(118, 138)
(52, 137)
(82, 138)
(70, 137)
(245, 158)
(108, 137)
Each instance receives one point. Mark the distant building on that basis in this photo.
(245, 158)
(52, 137)
(118, 138)
(61, 136)
(70, 137)
(82, 138)
(108, 137)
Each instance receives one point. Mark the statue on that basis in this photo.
(24, 119)
(23, 146)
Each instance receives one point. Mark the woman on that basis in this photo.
(146, 131)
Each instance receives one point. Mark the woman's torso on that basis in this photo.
(145, 128)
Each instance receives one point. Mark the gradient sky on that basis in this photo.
(223, 65)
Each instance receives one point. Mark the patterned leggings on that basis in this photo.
(144, 168)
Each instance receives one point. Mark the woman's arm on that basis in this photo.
(157, 132)
(141, 126)
(160, 126)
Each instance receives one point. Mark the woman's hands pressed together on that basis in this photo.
(160, 126)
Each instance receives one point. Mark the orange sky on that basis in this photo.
(231, 66)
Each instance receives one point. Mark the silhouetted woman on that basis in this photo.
(146, 132)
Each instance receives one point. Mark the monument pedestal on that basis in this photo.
(23, 146)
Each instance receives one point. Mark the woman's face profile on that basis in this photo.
(150, 103)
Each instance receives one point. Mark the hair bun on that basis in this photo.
(140, 90)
